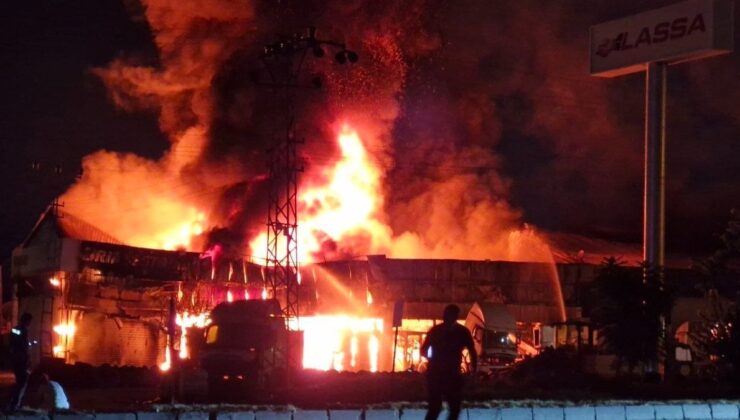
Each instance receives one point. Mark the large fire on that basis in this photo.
(455, 207)
(346, 205)
(345, 209)
(334, 342)
(341, 209)
(331, 342)
(340, 213)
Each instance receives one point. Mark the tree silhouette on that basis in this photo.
(717, 338)
(628, 312)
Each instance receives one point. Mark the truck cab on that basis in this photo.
(493, 329)
(243, 344)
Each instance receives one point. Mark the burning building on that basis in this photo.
(417, 180)
(97, 301)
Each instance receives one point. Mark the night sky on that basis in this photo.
(569, 158)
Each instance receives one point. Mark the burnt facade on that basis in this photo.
(97, 301)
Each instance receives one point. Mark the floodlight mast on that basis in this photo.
(284, 61)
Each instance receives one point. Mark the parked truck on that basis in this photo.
(493, 329)
(245, 346)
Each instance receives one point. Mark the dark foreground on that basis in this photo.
(103, 389)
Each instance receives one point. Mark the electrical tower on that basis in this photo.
(282, 224)
(284, 62)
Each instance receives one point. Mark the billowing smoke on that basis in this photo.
(166, 203)
(433, 137)
(462, 105)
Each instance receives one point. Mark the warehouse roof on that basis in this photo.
(67, 225)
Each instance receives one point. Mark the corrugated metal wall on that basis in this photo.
(116, 341)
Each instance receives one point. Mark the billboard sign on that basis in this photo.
(681, 32)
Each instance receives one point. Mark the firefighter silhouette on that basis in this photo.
(20, 360)
(443, 347)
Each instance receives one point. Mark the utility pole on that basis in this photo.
(51, 178)
(284, 61)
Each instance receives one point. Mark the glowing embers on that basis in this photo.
(55, 281)
(341, 342)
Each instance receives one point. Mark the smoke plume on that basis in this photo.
(465, 108)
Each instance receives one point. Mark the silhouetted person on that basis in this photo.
(443, 347)
(51, 395)
(20, 361)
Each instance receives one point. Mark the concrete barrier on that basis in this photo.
(639, 412)
(610, 412)
(548, 413)
(310, 415)
(580, 413)
(508, 410)
(518, 413)
(193, 415)
(668, 412)
(697, 412)
(413, 413)
(381, 414)
(724, 411)
(155, 415)
(345, 414)
(235, 415)
(482, 414)
(28, 416)
(279, 414)
(115, 416)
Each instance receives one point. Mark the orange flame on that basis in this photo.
(169, 204)
(325, 338)
(348, 204)
(64, 342)
(185, 321)
(65, 330)
(58, 350)
(343, 203)
(167, 363)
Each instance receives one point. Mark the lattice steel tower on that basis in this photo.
(284, 62)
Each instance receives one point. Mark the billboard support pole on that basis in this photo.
(653, 252)
(650, 41)
(655, 150)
